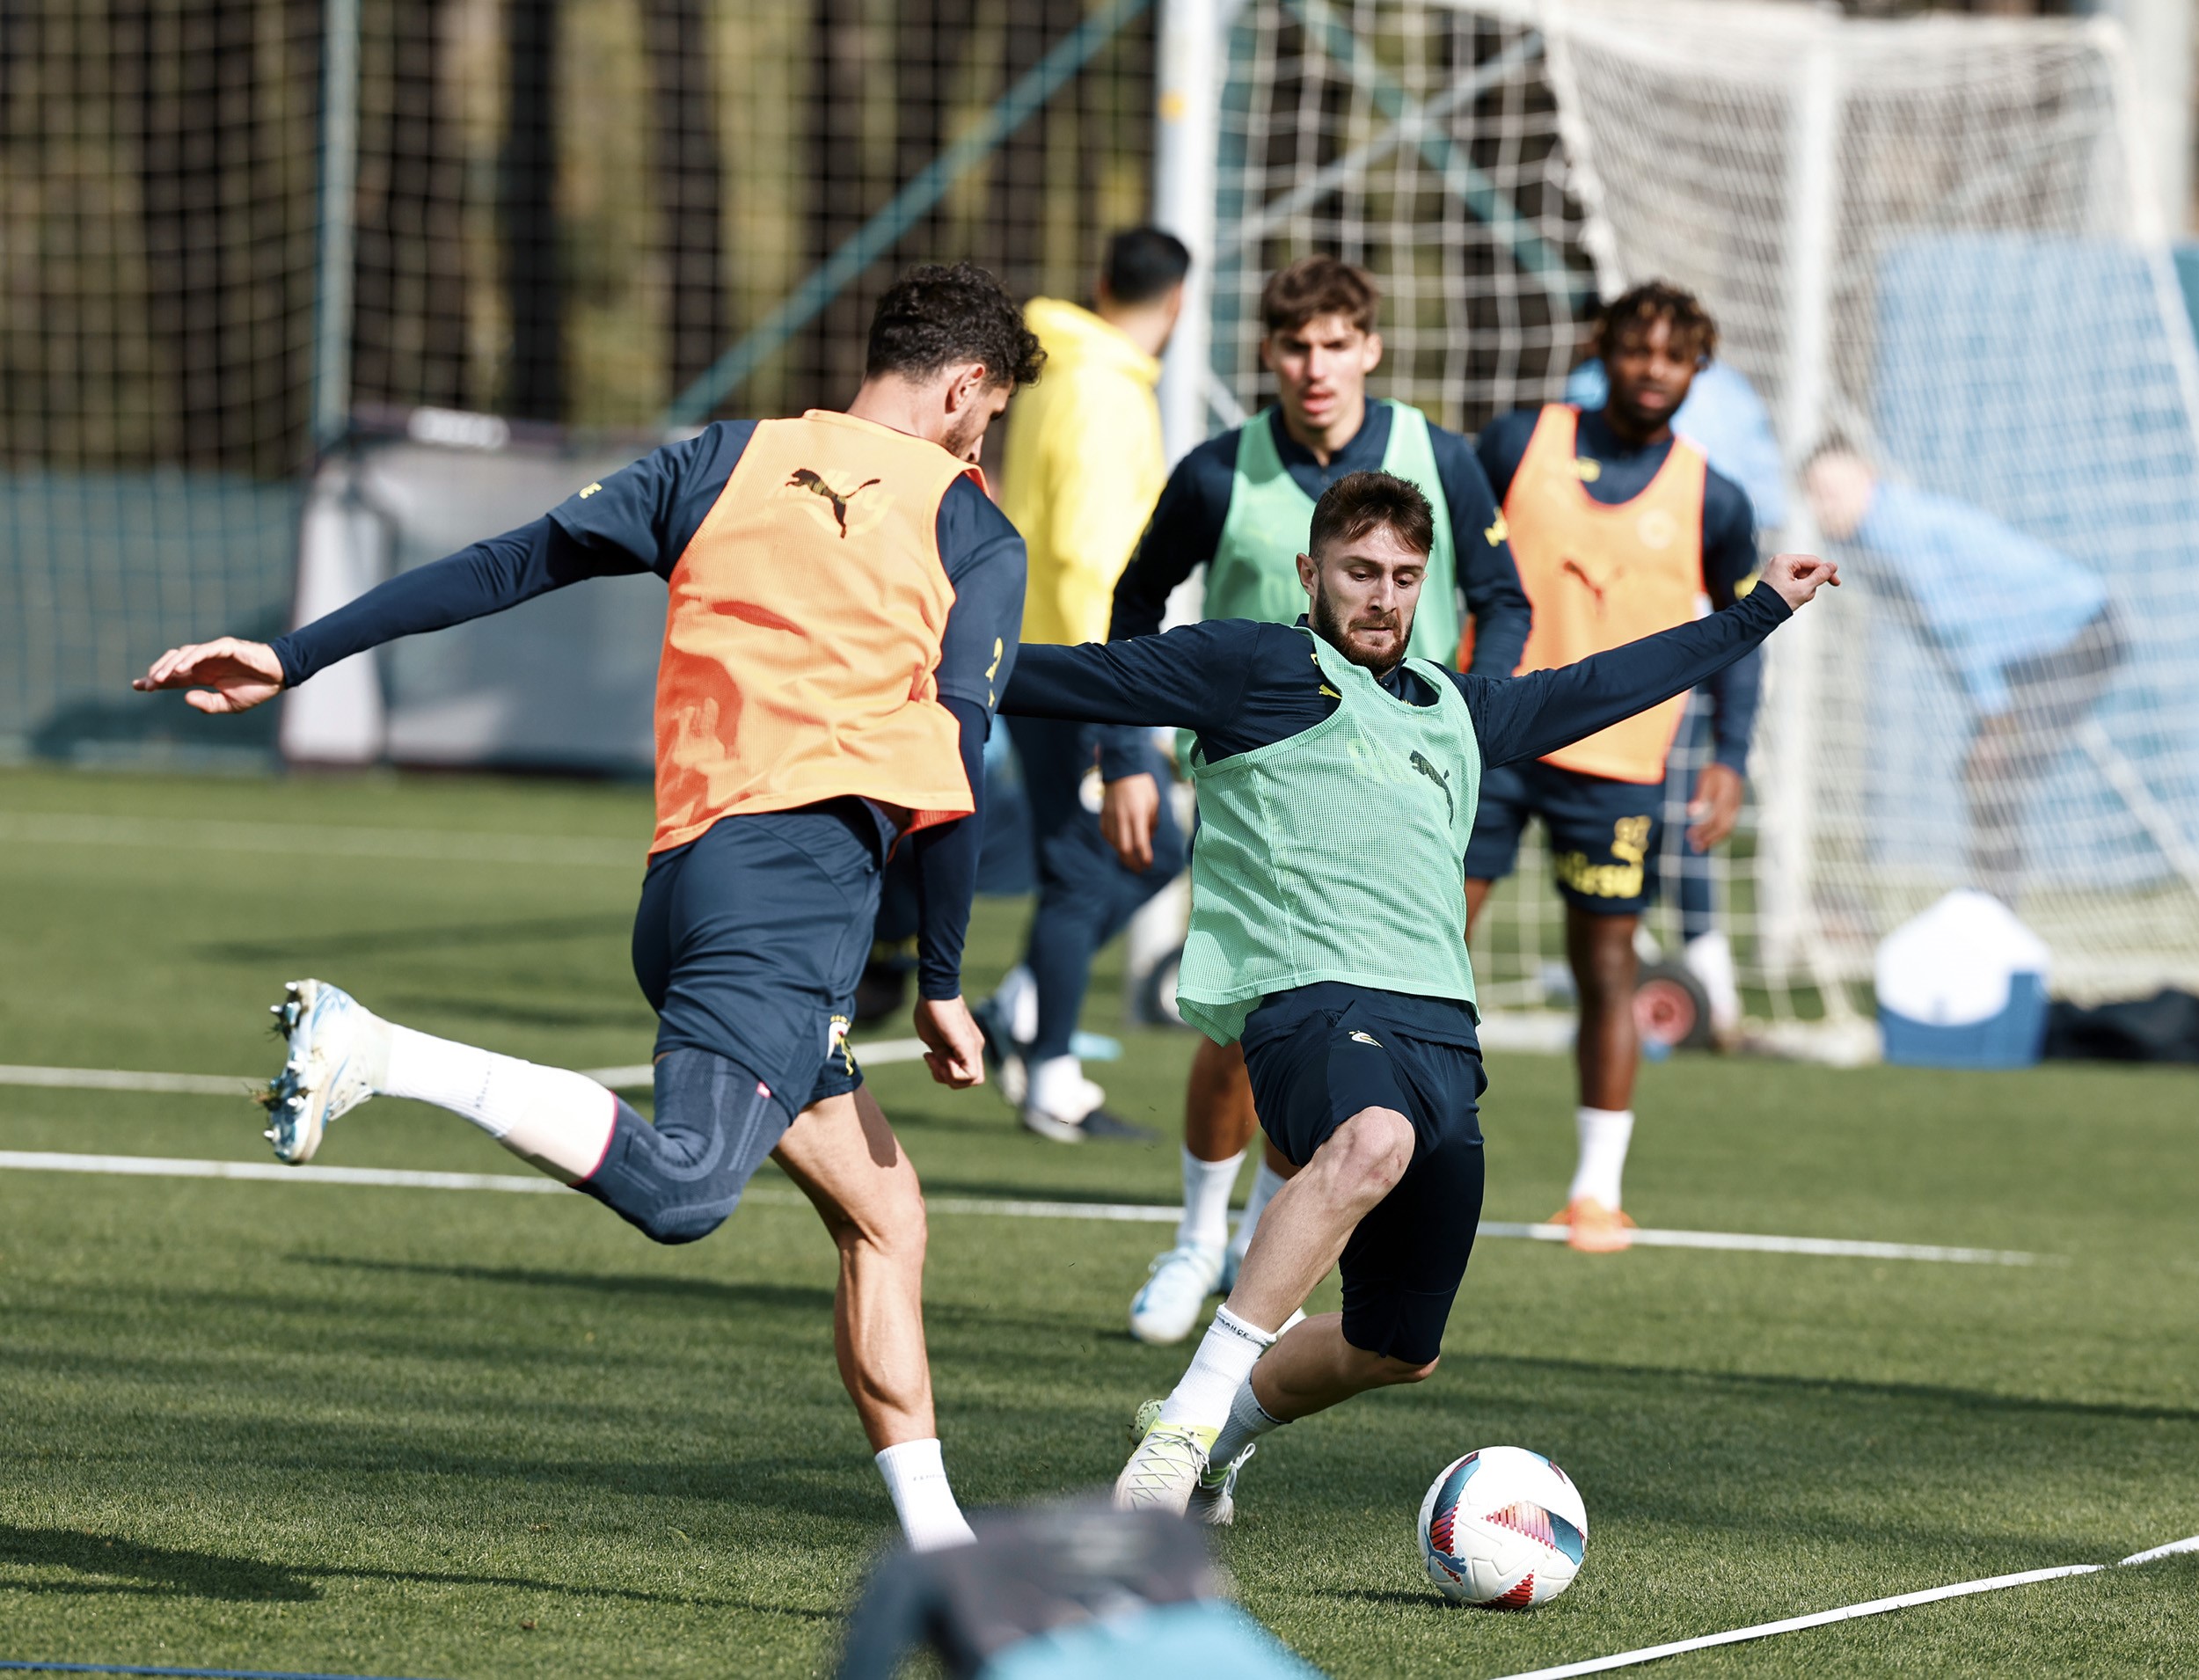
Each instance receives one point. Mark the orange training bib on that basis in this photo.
(1599, 576)
(801, 637)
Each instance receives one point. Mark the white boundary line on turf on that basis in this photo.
(1141, 1213)
(306, 840)
(1846, 1613)
(636, 1076)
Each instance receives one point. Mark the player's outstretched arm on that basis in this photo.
(1527, 717)
(1186, 678)
(490, 576)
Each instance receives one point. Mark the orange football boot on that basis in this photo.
(1592, 1228)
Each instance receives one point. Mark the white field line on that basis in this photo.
(1140, 1213)
(636, 1076)
(1846, 1613)
(300, 839)
(197, 1084)
(1835, 1248)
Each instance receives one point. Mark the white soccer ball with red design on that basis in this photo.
(1503, 1529)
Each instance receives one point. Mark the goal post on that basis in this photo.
(1932, 242)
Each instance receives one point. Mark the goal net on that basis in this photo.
(1932, 256)
(241, 235)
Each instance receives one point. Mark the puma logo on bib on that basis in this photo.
(815, 484)
(1420, 763)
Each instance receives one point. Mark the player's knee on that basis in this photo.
(1374, 1147)
(1605, 969)
(672, 1223)
(893, 1223)
(1396, 1370)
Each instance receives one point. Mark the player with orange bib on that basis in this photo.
(1619, 528)
(844, 605)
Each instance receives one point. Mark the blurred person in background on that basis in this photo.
(1083, 467)
(2028, 633)
(1723, 417)
(1620, 529)
(1242, 505)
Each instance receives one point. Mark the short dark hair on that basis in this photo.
(1655, 300)
(1317, 286)
(1359, 502)
(940, 313)
(1143, 263)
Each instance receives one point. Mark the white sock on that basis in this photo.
(1223, 1361)
(1059, 1088)
(1206, 1200)
(1018, 998)
(1709, 958)
(1604, 1134)
(1266, 1182)
(560, 1121)
(917, 1480)
(1249, 1421)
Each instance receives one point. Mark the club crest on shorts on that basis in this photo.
(1358, 1037)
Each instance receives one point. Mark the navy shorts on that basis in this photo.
(1603, 835)
(750, 939)
(1321, 1055)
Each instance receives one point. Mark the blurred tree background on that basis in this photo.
(566, 210)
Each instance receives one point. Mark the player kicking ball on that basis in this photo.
(844, 596)
(1337, 782)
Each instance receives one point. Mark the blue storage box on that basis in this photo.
(2011, 1038)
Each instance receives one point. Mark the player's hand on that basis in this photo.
(1715, 807)
(1130, 810)
(954, 1049)
(1798, 577)
(236, 675)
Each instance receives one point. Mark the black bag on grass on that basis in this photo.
(2164, 1027)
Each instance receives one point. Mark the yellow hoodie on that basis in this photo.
(1082, 470)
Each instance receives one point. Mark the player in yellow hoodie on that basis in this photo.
(1083, 469)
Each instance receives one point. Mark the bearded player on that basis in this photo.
(844, 600)
(1619, 528)
(1337, 780)
(1240, 505)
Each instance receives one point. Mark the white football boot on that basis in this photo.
(337, 1050)
(1165, 1470)
(1213, 1501)
(1175, 1294)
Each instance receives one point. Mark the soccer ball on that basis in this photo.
(1503, 1529)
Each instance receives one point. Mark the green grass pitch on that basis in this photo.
(422, 1433)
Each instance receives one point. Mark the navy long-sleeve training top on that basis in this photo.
(1623, 472)
(640, 518)
(1186, 529)
(1240, 685)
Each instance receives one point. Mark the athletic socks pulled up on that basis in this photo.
(559, 1121)
(1058, 1088)
(1226, 1355)
(916, 1479)
(1266, 1182)
(1604, 1134)
(1248, 1420)
(1206, 1200)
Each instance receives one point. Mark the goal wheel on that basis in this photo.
(1155, 1000)
(1671, 1008)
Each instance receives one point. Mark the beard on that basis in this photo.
(964, 436)
(1327, 620)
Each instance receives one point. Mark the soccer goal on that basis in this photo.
(1929, 243)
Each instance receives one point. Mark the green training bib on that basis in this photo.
(1254, 571)
(1336, 854)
